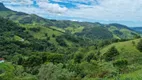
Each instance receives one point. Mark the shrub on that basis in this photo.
(120, 63)
(78, 57)
(111, 54)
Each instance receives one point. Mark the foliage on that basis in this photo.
(111, 54)
(78, 57)
(54, 72)
(139, 45)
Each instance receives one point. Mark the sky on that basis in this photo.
(127, 12)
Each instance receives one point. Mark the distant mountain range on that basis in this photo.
(83, 29)
(137, 29)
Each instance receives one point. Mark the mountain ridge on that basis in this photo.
(83, 29)
(3, 8)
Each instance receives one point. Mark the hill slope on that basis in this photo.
(129, 46)
(121, 31)
(129, 52)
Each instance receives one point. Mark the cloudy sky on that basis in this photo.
(128, 12)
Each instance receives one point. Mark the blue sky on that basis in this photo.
(128, 12)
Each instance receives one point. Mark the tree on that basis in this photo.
(54, 72)
(139, 45)
(78, 57)
(111, 54)
(121, 65)
(137, 36)
(90, 57)
(55, 58)
(53, 35)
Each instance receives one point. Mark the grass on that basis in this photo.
(132, 76)
(6, 66)
(44, 30)
(126, 49)
(17, 38)
(75, 29)
(56, 28)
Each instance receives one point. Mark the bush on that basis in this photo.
(111, 54)
(120, 63)
(78, 57)
(61, 41)
(90, 57)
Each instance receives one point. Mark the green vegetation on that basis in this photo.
(38, 49)
(139, 45)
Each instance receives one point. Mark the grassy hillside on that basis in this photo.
(121, 31)
(128, 47)
(129, 52)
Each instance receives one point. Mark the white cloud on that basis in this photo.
(106, 10)
(50, 7)
(45, 5)
(76, 1)
(110, 10)
(22, 2)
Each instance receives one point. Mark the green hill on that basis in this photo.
(121, 31)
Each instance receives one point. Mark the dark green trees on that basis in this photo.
(111, 54)
(139, 45)
(78, 57)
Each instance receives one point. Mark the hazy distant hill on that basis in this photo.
(137, 29)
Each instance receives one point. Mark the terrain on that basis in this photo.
(35, 48)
